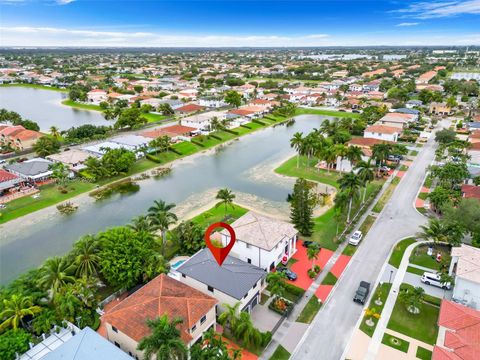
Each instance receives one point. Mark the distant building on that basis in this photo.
(96, 96)
(440, 109)
(382, 132)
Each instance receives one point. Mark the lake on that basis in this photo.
(245, 166)
(45, 108)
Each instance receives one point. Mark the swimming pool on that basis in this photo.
(177, 264)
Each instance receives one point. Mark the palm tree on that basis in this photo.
(229, 316)
(354, 154)
(435, 231)
(15, 309)
(161, 218)
(55, 274)
(412, 299)
(380, 152)
(350, 184)
(296, 142)
(226, 196)
(366, 173)
(142, 223)
(165, 342)
(329, 155)
(276, 282)
(312, 254)
(86, 256)
(247, 332)
(54, 132)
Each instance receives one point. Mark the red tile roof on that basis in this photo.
(471, 191)
(6, 176)
(382, 129)
(190, 108)
(462, 337)
(162, 295)
(174, 130)
(367, 142)
(241, 112)
(28, 135)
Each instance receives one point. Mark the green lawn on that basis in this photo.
(78, 105)
(35, 86)
(49, 195)
(398, 251)
(280, 354)
(420, 257)
(325, 230)
(302, 111)
(384, 198)
(423, 195)
(310, 310)
(330, 279)
(421, 326)
(423, 353)
(395, 342)
(289, 168)
(217, 214)
(154, 117)
(380, 292)
(414, 270)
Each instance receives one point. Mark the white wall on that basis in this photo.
(468, 291)
(379, 136)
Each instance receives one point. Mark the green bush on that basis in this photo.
(258, 122)
(153, 158)
(172, 149)
(197, 143)
(246, 127)
(295, 290)
(230, 131)
(215, 137)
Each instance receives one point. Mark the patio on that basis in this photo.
(263, 318)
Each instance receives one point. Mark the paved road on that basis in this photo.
(332, 328)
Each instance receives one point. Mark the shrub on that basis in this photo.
(312, 274)
(295, 290)
(153, 158)
(246, 127)
(280, 305)
(230, 131)
(266, 338)
(197, 143)
(172, 149)
(215, 137)
(258, 122)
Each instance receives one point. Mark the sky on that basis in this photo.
(238, 23)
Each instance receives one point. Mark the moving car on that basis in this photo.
(355, 238)
(435, 280)
(362, 292)
(288, 273)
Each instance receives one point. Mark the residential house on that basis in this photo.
(96, 96)
(174, 132)
(398, 120)
(440, 109)
(73, 158)
(189, 109)
(410, 104)
(35, 170)
(474, 152)
(8, 181)
(234, 281)
(71, 343)
(132, 142)
(471, 191)
(366, 145)
(126, 323)
(18, 137)
(426, 77)
(211, 102)
(465, 267)
(261, 240)
(414, 112)
(382, 132)
(202, 121)
(458, 333)
(371, 86)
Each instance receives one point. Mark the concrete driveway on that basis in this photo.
(263, 318)
(332, 328)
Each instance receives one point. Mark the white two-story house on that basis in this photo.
(262, 241)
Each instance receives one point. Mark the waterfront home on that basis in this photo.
(18, 137)
(189, 109)
(174, 132)
(262, 241)
(382, 132)
(458, 333)
(73, 158)
(202, 121)
(366, 145)
(126, 323)
(8, 181)
(96, 96)
(397, 120)
(132, 142)
(465, 267)
(234, 281)
(100, 149)
(71, 343)
(34, 170)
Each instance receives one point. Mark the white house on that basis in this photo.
(262, 241)
(96, 96)
(382, 132)
(465, 267)
(203, 120)
(211, 102)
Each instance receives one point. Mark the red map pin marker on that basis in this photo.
(220, 254)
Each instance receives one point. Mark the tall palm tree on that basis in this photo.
(435, 231)
(229, 316)
(86, 256)
(354, 154)
(54, 132)
(350, 184)
(380, 153)
(366, 173)
(329, 155)
(312, 254)
(226, 196)
(340, 152)
(161, 217)
(296, 142)
(165, 342)
(55, 274)
(247, 332)
(15, 309)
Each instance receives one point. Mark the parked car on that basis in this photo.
(307, 243)
(288, 273)
(435, 280)
(355, 238)
(362, 292)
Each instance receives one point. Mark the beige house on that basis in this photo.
(73, 158)
(126, 323)
(440, 109)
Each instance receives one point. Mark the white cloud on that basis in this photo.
(439, 9)
(64, 2)
(408, 24)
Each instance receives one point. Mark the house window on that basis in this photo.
(254, 286)
(194, 327)
(210, 288)
(246, 295)
(114, 329)
(184, 276)
(249, 261)
(203, 319)
(116, 344)
(248, 246)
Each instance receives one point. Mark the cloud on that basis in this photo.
(408, 24)
(439, 9)
(64, 2)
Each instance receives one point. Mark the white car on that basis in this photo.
(435, 280)
(355, 238)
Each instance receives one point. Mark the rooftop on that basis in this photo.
(468, 266)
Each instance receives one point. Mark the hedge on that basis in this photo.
(246, 127)
(172, 149)
(230, 131)
(295, 290)
(153, 158)
(197, 143)
(258, 122)
(215, 137)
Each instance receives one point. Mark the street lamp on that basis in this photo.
(390, 279)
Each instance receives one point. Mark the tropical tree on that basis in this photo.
(354, 154)
(44, 321)
(60, 172)
(15, 309)
(350, 183)
(87, 260)
(296, 142)
(188, 236)
(165, 342)
(161, 144)
(142, 223)
(55, 274)
(436, 231)
(246, 331)
(412, 299)
(162, 217)
(229, 316)
(46, 145)
(301, 207)
(380, 153)
(54, 132)
(366, 173)
(213, 347)
(226, 196)
(276, 282)
(312, 255)
(233, 98)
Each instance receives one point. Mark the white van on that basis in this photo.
(434, 279)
